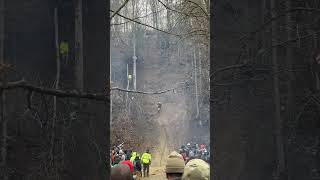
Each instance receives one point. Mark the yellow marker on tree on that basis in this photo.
(64, 48)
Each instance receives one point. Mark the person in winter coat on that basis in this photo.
(196, 169)
(128, 155)
(129, 164)
(175, 166)
(121, 172)
(117, 158)
(125, 152)
(146, 161)
(137, 167)
(183, 154)
(133, 156)
(113, 156)
(122, 156)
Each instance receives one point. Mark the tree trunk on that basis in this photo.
(168, 16)
(2, 101)
(116, 18)
(126, 10)
(289, 60)
(200, 70)
(134, 57)
(2, 30)
(56, 27)
(155, 13)
(146, 19)
(278, 119)
(196, 80)
(78, 46)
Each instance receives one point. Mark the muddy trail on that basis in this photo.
(160, 153)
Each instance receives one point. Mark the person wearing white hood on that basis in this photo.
(122, 155)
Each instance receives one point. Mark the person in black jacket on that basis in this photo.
(137, 167)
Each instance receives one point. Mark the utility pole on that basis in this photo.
(134, 72)
(128, 82)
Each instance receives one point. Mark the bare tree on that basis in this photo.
(3, 97)
(57, 81)
(79, 45)
(276, 93)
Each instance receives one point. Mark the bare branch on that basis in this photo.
(227, 68)
(277, 17)
(174, 10)
(54, 92)
(145, 24)
(136, 18)
(198, 5)
(141, 92)
(118, 10)
(72, 94)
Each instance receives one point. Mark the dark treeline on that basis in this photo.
(265, 94)
(41, 139)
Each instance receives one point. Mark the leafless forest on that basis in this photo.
(159, 48)
(265, 89)
(264, 83)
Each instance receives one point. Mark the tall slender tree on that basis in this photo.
(276, 94)
(3, 97)
(79, 45)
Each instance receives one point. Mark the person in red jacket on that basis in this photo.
(128, 163)
(202, 146)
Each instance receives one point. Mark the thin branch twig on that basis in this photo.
(147, 25)
(198, 5)
(142, 92)
(118, 10)
(260, 28)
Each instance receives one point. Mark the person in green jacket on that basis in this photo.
(64, 52)
(146, 161)
(133, 156)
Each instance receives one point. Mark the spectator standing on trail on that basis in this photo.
(122, 156)
(133, 156)
(128, 155)
(175, 166)
(137, 167)
(113, 156)
(129, 164)
(183, 154)
(146, 161)
(121, 172)
(125, 154)
(191, 154)
(196, 169)
(117, 158)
